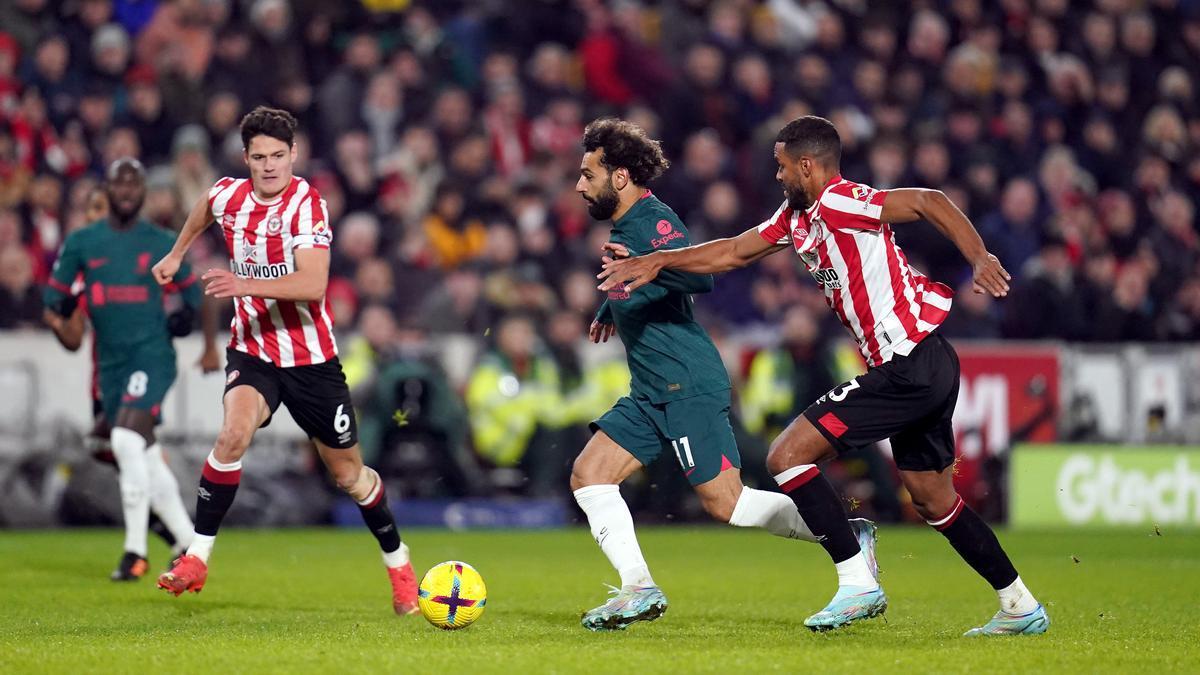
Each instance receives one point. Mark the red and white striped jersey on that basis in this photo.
(262, 238)
(886, 304)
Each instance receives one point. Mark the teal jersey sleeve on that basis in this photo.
(604, 313)
(66, 268)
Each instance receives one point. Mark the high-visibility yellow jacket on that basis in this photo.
(767, 400)
(506, 409)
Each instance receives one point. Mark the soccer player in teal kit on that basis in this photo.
(135, 357)
(679, 395)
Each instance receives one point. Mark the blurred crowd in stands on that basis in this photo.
(445, 137)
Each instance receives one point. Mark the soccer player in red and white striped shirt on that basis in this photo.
(842, 232)
(277, 231)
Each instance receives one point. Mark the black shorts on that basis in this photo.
(909, 399)
(316, 396)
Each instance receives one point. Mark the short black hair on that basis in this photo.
(273, 122)
(626, 146)
(813, 136)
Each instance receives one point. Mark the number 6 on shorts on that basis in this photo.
(341, 421)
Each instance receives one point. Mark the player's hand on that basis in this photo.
(611, 250)
(628, 273)
(54, 320)
(210, 360)
(219, 283)
(991, 277)
(164, 271)
(601, 332)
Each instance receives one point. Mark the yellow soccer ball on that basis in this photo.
(452, 595)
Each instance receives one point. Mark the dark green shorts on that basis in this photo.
(140, 380)
(694, 430)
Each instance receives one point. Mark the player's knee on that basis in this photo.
(786, 453)
(580, 475)
(795, 447)
(933, 505)
(232, 443)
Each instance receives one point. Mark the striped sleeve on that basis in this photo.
(311, 226)
(775, 229)
(851, 206)
(218, 196)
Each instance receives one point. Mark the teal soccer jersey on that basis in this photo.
(125, 305)
(670, 355)
(679, 394)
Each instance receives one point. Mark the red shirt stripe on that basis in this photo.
(841, 238)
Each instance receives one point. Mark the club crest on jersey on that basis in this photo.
(274, 224)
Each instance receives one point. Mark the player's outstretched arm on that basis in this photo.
(199, 218)
(713, 257)
(909, 204)
(306, 284)
(671, 280)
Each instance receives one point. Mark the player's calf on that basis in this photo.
(978, 546)
(368, 491)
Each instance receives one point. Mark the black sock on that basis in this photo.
(159, 528)
(822, 510)
(379, 519)
(215, 496)
(977, 545)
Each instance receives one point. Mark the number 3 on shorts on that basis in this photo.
(683, 448)
(341, 421)
(839, 395)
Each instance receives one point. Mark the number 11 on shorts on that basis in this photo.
(683, 448)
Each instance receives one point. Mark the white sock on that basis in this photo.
(129, 448)
(201, 546)
(1016, 599)
(612, 528)
(165, 500)
(855, 572)
(397, 558)
(772, 511)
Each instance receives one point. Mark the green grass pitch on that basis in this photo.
(317, 601)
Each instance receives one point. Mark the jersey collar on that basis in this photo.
(837, 178)
(636, 205)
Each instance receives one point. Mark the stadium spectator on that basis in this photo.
(513, 397)
(20, 299)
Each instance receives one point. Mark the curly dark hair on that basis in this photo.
(273, 122)
(813, 136)
(626, 146)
